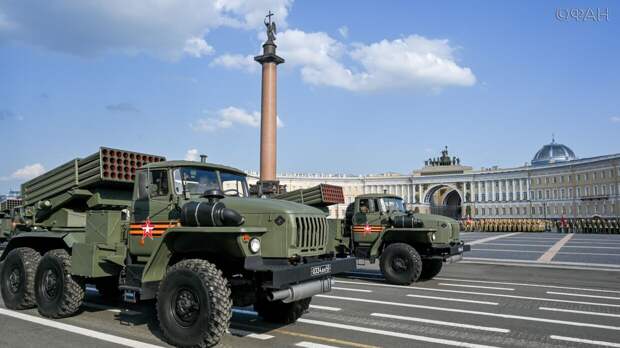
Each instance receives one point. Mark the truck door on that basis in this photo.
(151, 213)
(367, 221)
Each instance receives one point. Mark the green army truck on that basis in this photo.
(183, 233)
(409, 246)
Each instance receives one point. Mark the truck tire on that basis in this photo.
(400, 264)
(280, 312)
(58, 294)
(194, 306)
(17, 278)
(430, 268)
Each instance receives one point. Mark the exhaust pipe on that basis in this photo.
(301, 291)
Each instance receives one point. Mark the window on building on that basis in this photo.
(547, 194)
(586, 191)
(555, 194)
(540, 194)
(537, 181)
(540, 210)
(554, 180)
(533, 211)
(570, 193)
(577, 192)
(503, 211)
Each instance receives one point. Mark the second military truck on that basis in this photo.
(409, 246)
(184, 233)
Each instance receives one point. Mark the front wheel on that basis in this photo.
(280, 312)
(430, 268)
(58, 294)
(400, 264)
(194, 304)
(17, 278)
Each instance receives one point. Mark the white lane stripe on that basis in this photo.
(485, 294)
(476, 286)
(590, 247)
(305, 344)
(392, 334)
(595, 254)
(525, 284)
(579, 312)
(243, 333)
(349, 289)
(454, 299)
(520, 297)
(326, 308)
(521, 245)
(78, 330)
(488, 314)
(584, 341)
(536, 264)
(508, 250)
(439, 322)
(488, 239)
(576, 241)
(582, 295)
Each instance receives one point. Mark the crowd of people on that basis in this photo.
(562, 225)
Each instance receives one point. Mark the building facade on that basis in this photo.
(553, 185)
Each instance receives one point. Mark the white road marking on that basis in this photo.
(516, 244)
(582, 295)
(595, 254)
(392, 334)
(584, 341)
(508, 250)
(488, 239)
(439, 322)
(78, 330)
(305, 344)
(243, 333)
(526, 284)
(535, 264)
(590, 247)
(488, 314)
(349, 289)
(476, 286)
(326, 308)
(597, 242)
(519, 297)
(579, 312)
(454, 299)
(550, 254)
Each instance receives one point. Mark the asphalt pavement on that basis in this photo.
(512, 290)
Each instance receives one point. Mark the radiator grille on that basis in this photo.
(311, 232)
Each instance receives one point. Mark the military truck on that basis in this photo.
(8, 204)
(409, 246)
(183, 233)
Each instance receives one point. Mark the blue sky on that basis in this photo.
(368, 86)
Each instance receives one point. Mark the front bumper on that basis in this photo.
(449, 252)
(284, 275)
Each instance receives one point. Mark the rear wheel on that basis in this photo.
(280, 312)
(400, 264)
(58, 294)
(17, 278)
(194, 304)
(430, 268)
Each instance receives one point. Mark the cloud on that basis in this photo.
(343, 31)
(410, 62)
(236, 61)
(229, 117)
(28, 172)
(192, 155)
(168, 29)
(615, 119)
(122, 107)
(6, 114)
(197, 47)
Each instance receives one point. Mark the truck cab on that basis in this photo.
(410, 246)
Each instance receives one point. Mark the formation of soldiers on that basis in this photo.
(503, 225)
(590, 225)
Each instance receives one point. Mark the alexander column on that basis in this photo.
(268, 183)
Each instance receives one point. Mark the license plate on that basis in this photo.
(320, 270)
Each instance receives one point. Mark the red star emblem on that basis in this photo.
(147, 229)
(367, 228)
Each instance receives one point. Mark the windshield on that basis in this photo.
(392, 204)
(199, 180)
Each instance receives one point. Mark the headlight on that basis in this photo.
(433, 237)
(254, 245)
